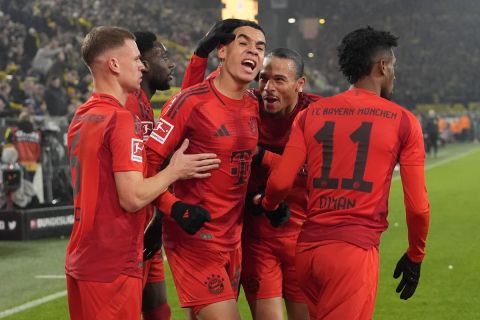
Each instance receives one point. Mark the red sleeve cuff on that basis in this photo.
(165, 201)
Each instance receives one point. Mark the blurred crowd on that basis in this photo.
(43, 79)
(438, 46)
(40, 66)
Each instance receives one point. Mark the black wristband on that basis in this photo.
(257, 159)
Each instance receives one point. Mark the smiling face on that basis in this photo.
(279, 85)
(158, 67)
(242, 58)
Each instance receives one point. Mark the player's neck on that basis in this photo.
(149, 91)
(229, 87)
(368, 84)
(111, 88)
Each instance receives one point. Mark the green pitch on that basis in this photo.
(448, 287)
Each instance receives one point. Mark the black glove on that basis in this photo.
(250, 206)
(277, 217)
(190, 217)
(152, 240)
(411, 276)
(219, 33)
(258, 157)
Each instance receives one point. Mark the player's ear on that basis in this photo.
(382, 66)
(300, 84)
(113, 65)
(221, 52)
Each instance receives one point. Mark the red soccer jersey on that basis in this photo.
(106, 240)
(213, 123)
(352, 143)
(139, 104)
(273, 136)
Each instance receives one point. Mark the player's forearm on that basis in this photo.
(154, 186)
(417, 210)
(135, 191)
(283, 176)
(270, 160)
(195, 71)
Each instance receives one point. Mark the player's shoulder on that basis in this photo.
(403, 111)
(305, 98)
(186, 99)
(196, 91)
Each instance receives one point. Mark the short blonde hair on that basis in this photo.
(103, 38)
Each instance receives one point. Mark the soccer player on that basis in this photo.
(156, 76)
(351, 143)
(220, 116)
(104, 256)
(268, 265)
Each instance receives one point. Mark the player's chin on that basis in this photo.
(246, 77)
(165, 86)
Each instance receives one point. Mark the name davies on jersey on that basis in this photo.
(362, 111)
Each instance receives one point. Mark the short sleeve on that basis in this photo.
(126, 143)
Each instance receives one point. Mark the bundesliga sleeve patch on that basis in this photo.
(137, 149)
(162, 131)
(147, 127)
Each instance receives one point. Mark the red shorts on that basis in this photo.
(204, 276)
(268, 269)
(339, 279)
(153, 269)
(120, 299)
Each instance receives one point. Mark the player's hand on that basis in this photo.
(152, 240)
(188, 166)
(410, 278)
(220, 33)
(190, 217)
(277, 217)
(252, 207)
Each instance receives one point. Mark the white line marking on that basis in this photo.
(50, 276)
(32, 304)
(445, 161)
(458, 156)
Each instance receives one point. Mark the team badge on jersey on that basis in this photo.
(147, 127)
(215, 284)
(162, 131)
(137, 150)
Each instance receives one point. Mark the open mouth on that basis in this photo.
(270, 99)
(250, 64)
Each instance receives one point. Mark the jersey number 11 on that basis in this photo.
(361, 136)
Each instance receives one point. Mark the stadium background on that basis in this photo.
(438, 60)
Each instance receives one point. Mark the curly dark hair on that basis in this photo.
(358, 49)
